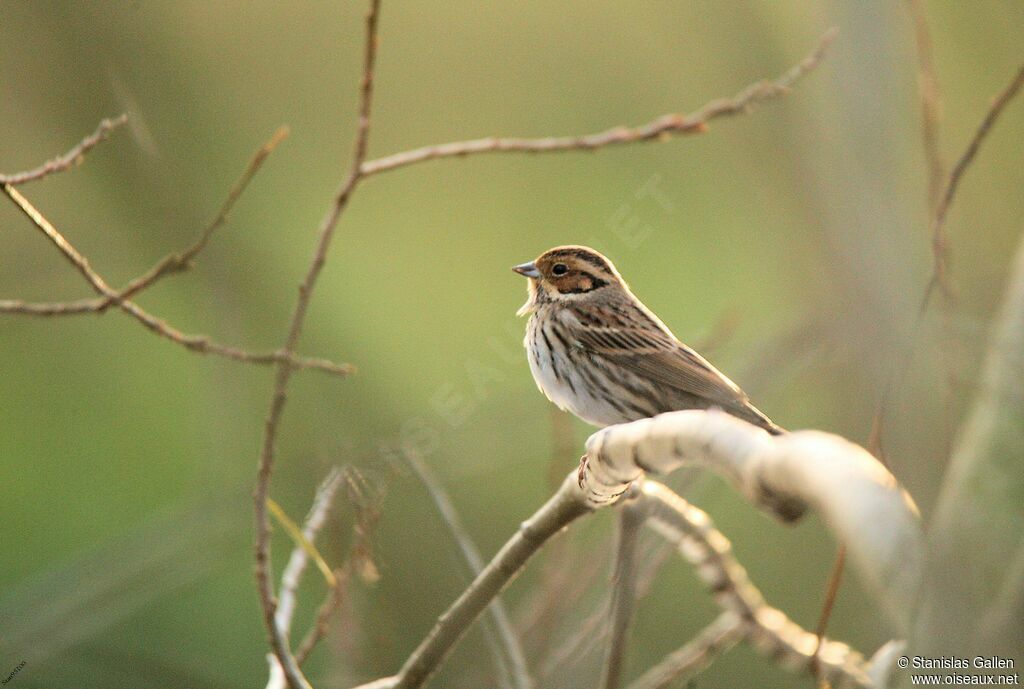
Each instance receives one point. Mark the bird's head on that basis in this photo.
(567, 274)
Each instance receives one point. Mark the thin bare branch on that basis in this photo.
(335, 597)
(931, 114)
(631, 520)
(835, 579)
(69, 159)
(51, 308)
(939, 239)
(714, 640)
(69, 252)
(174, 262)
(195, 343)
(264, 584)
(656, 130)
(931, 105)
(939, 277)
(510, 646)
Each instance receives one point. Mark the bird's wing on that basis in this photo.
(661, 358)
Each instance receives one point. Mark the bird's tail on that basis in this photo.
(759, 418)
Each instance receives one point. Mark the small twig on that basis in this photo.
(201, 344)
(264, 584)
(69, 252)
(698, 653)
(835, 578)
(939, 239)
(69, 159)
(195, 343)
(931, 114)
(510, 645)
(54, 308)
(931, 106)
(631, 520)
(335, 597)
(656, 130)
(296, 566)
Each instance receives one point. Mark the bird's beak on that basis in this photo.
(527, 269)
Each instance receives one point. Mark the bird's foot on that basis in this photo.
(582, 473)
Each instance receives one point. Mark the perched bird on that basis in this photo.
(598, 352)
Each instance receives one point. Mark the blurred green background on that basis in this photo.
(793, 242)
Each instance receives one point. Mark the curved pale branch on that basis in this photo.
(767, 629)
(858, 499)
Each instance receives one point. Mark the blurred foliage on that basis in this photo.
(125, 520)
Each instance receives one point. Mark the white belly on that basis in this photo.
(560, 379)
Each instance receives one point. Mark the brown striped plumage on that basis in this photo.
(598, 352)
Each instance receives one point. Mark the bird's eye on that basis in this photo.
(560, 269)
